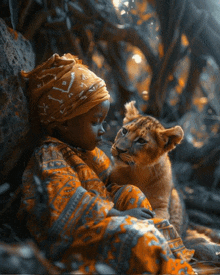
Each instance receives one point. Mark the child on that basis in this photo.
(68, 206)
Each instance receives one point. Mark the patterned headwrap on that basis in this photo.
(62, 88)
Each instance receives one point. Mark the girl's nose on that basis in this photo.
(101, 129)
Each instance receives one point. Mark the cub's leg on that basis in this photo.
(178, 215)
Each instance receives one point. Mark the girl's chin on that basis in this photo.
(91, 147)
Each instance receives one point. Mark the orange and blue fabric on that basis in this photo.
(66, 200)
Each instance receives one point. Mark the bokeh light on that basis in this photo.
(137, 58)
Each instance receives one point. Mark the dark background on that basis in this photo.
(163, 54)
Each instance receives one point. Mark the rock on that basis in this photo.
(24, 258)
(16, 54)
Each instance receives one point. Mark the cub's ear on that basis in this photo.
(131, 112)
(169, 138)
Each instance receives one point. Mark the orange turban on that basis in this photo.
(62, 88)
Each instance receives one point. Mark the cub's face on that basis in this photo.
(143, 140)
(138, 142)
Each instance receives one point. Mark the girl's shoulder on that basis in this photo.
(50, 147)
(46, 143)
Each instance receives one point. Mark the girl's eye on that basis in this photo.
(103, 123)
(94, 123)
(141, 141)
(124, 131)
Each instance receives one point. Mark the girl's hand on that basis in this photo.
(139, 213)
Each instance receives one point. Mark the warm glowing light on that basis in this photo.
(116, 3)
(145, 95)
(137, 58)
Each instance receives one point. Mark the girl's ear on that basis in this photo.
(131, 112)
(169, 138)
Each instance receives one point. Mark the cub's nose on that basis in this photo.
(120, 151)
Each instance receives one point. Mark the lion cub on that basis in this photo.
(140, 153)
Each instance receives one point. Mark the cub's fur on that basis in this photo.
(140, 153)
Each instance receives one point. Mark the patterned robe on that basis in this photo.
(66, 202)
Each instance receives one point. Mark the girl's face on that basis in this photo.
(86, 130)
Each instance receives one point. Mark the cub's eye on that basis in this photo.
(141, 141)
(124, 131)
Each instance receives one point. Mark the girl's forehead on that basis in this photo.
(98, 114)
(101, 108)
(98, 111)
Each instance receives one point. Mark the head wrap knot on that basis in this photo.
(62, 88)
